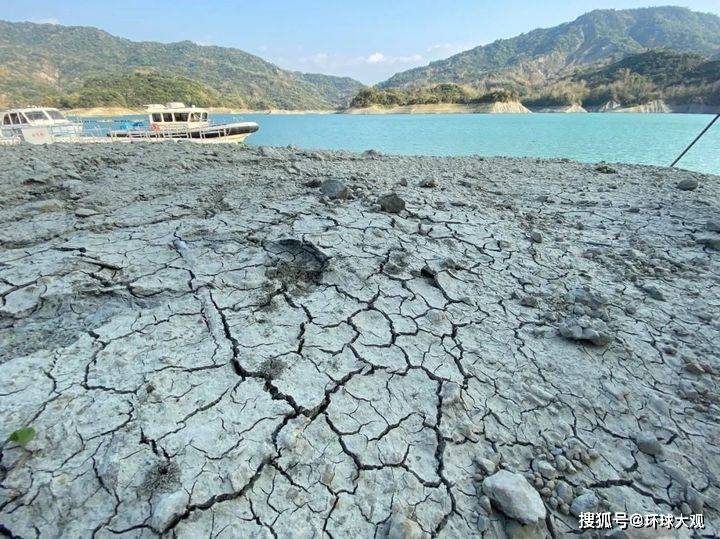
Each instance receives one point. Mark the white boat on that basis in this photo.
(39, 125)
(175, 121)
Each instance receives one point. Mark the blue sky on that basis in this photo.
(365, 39)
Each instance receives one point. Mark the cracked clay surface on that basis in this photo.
(214, 342)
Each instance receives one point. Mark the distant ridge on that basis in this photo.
(71, 66)
(547, 54)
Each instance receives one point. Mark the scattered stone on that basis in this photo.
(536, 236)
(314, 182)
(711, 242)
(585, 503)
(593, 331)
(688, 184)
(545, 469)
(334, 189)
(427, 182)
(648, 443)
(564, 492)
(486, 465)
(485, 504)
(391, 203)
(605, 169)
(653, 291)
(514, 496)
(85, 212)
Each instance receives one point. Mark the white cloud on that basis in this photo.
(377, 58)
(49, 20)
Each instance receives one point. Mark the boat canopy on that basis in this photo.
(176, 113)
(31, 116)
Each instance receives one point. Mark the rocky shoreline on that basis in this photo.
(260, 342)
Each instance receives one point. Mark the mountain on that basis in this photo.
(675, 77)
(662, 67)
(547, 54)
(142, 86)
(41, 62)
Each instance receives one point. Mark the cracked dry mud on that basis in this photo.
(207, 346)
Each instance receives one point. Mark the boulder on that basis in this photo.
(514, 496)
(391, 203)
(688, 184)
(334, 189)
(648, 443)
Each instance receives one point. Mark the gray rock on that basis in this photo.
(515, 530)
(485, 504)
(428, 182)
(536, 236)
(595, 332)
(648, 443)
(545, 469)
(585, 503)
(654, 292)
(605, 169)
(688, 184)
(711, 242)
(564, 492)
(391, 203)
(85, 212)
(334, 189)
(514, 496)
(713, 225)
(694, 499)
(486, 465)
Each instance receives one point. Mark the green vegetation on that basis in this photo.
(22, 436)
(546, 54)
(139, 88)
(628, 56)
(441, 93)
(40, 63)
(678, 78)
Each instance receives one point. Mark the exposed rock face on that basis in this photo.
(515, 497)
(204, 345)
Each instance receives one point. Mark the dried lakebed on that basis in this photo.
(243, 342)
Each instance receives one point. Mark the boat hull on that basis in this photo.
(214, 134)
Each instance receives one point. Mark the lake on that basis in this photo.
(654, 139)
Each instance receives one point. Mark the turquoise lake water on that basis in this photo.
(654, 139)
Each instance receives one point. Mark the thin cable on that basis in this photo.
(694, 141)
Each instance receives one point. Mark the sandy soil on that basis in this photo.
(259, 342)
